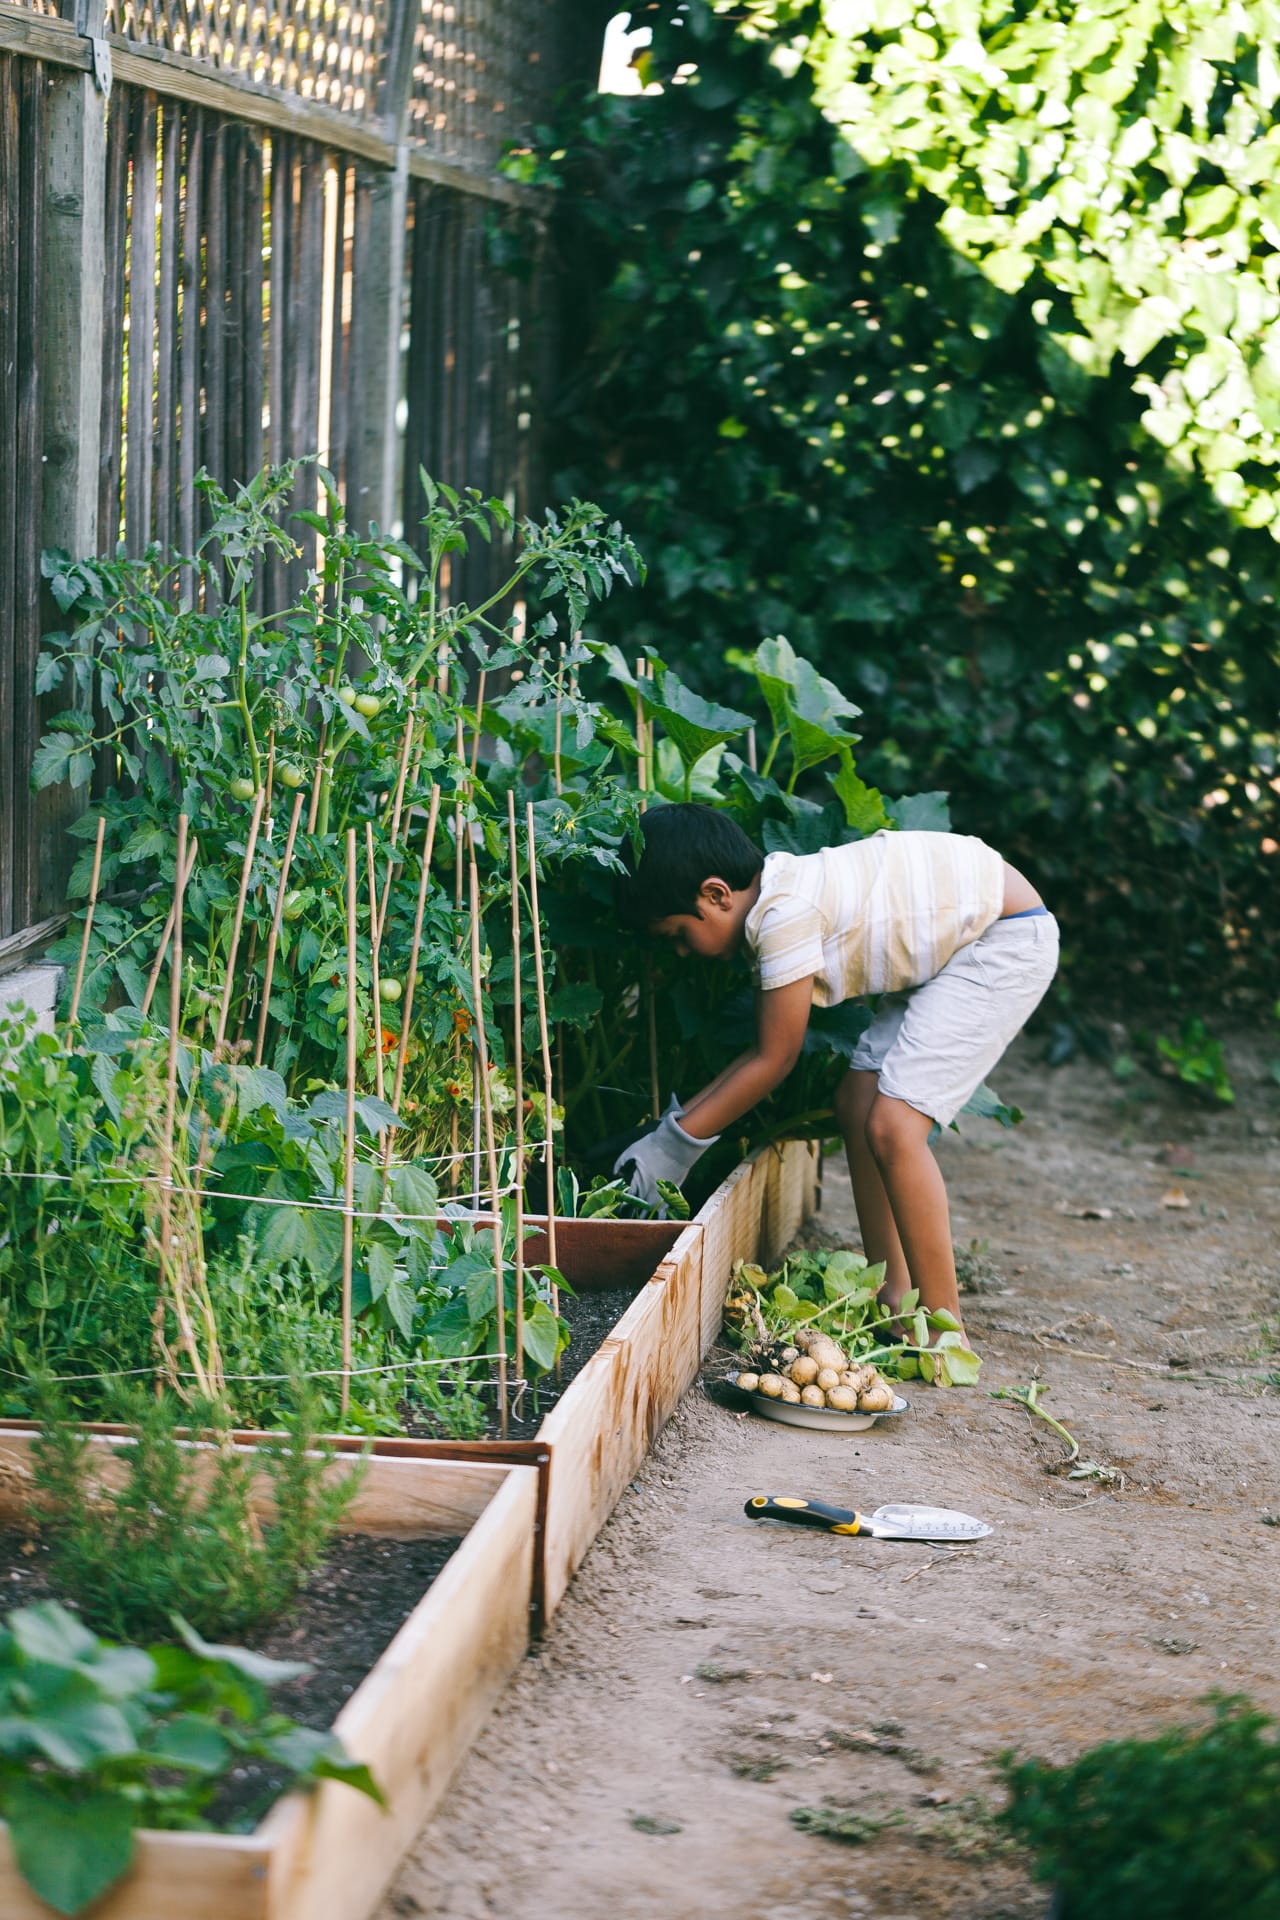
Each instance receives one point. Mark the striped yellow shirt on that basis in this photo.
(882, 915)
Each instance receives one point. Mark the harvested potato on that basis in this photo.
(827, 1378)
(824, 1350)
(789, 1354)
(749, 1382)
(802, 1336)
(876, 1399)
(791, 1393)
(804, 1371)
(859, 1378)
(770, 1384)
(843, 1399)
(813, 1397)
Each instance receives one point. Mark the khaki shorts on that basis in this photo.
(934, 1047)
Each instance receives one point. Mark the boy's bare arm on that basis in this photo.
(782, 1017)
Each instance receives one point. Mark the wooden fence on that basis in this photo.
(230, 235)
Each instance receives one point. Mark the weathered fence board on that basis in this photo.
(209, 210)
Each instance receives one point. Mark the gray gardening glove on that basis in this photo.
(668, 1153)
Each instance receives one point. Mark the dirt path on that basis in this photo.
(707, 1675)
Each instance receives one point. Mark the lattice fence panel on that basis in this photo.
(330, 51)
(484, 72)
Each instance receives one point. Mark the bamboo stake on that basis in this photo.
(411, 980)
(158, 962)
(271, 773)
(642, 757)
(88, 921)
(168, 1276)
(273, 938)
(482, 1053)
(349, 1139)
(374, 952)
(751, 749)
(454, 1156)
(317, 778)
(651, 996)
(540, 987)
(559, 717)
(475, 738)
(228, 985)
(513, 845)
(396, 811)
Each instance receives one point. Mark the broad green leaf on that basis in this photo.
(693, 724)
(69, 1847)
(542, 1336)
(921, 813)
(414, 1190)
(192, 1740)
(960, 1366)
(864, 809)
(253, 1666)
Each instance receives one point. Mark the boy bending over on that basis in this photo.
(958, 944)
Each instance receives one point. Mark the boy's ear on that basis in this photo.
(717, 893)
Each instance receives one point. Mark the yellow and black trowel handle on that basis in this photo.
(886, 1523)
(806, 1513)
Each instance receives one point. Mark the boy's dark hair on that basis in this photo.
(684, 845)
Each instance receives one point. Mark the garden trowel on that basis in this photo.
(886, 1523)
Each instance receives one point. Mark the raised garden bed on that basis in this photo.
(527, 1511)
(411, 1719)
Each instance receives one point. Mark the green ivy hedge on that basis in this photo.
(793, 375)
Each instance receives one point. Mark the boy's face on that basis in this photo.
(712, 930)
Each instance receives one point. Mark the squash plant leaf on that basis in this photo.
(69, 1847)
(693, 724)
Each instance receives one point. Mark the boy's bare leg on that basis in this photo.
(855, 1097)
(897, 1137)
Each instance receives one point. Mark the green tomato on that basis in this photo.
(347, 695)
(242, 789)
(291, 775)
(293, 905)
(368, 704)
(389, 989)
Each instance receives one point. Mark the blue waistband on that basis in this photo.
(1025, 914)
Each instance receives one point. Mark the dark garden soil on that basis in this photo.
(707, 1677)
(592, 1316)
(352, 1607)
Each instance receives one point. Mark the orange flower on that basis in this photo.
(390, 1041)
(461, 1021)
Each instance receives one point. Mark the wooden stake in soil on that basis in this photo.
(513, 848)
(88, 921)
(171, 1278)
(482, 1054)
(411, 980)
(154, 976)
(376, 985)
(228, 985)
(396, 812)
(651, 998)
(349, 1141)
(317, 778)
(475, 738)
(273, 938)
(559, 716)
(544, 1032)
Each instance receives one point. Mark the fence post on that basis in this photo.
(74, 270)
(73, 217)
(382, 201)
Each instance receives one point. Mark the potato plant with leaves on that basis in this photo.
(837, 1293)
(102, 1740)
